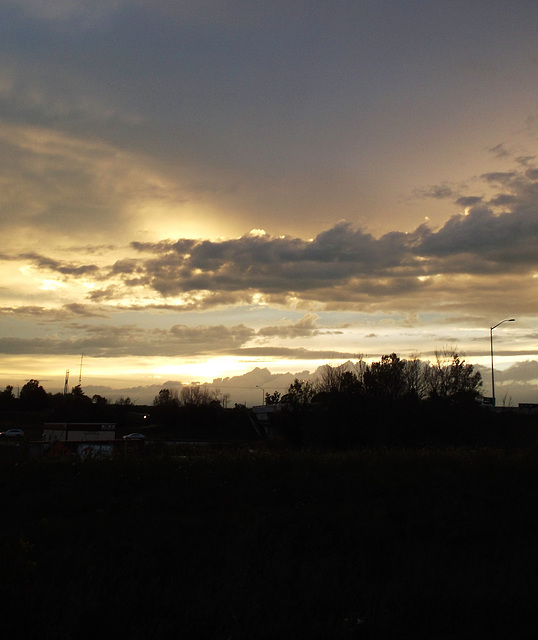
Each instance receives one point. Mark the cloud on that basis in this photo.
(106, 341)
(38, 346)
(474, 232)
(206, 338)
(60, 314)
(469, 201)
(522, 372)
(269, 265)
(500, 239)
(58, 266)
(304, 327)
(503, 200)
(130, 340)
(499, 177)
(525, 160)
(342, 267)
(352, 260)
(437, 192)
(294, 354)
(499, 151)
(177, 341)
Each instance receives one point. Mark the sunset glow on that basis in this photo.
(190, 195)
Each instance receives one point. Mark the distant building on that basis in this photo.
(79, 431)
(528, 407)
(264, 418)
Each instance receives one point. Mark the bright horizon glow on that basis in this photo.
(142, 386)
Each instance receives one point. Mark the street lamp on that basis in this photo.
(263, 393)
(491, 347)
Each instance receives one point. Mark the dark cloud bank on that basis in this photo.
(339, 265)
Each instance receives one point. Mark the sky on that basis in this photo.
(232, 190)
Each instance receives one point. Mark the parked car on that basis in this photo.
(12, 433)
(134, 436)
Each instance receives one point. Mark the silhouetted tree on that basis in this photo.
(385, 380)
(7, 398)
(338, 393)
(33, 396)
(79, 398)
(198, 395)
(299, 392)
(166, 398)
(124, 402)
(414, 378)
(338, 382)
(451, 379)
(73, 406)
(272, 398)
(166, 406)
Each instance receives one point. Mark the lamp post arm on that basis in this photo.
(502, 322)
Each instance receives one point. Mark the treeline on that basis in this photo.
(34, 398)
(391, 402)
(449, 379)
(394, 402)
(196, 406)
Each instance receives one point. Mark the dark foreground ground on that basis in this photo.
(235, 545)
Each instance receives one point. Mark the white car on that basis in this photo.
(12, 433)
(134, 436)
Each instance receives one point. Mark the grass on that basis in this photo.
(414, 544)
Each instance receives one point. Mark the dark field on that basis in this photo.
(383, 544)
